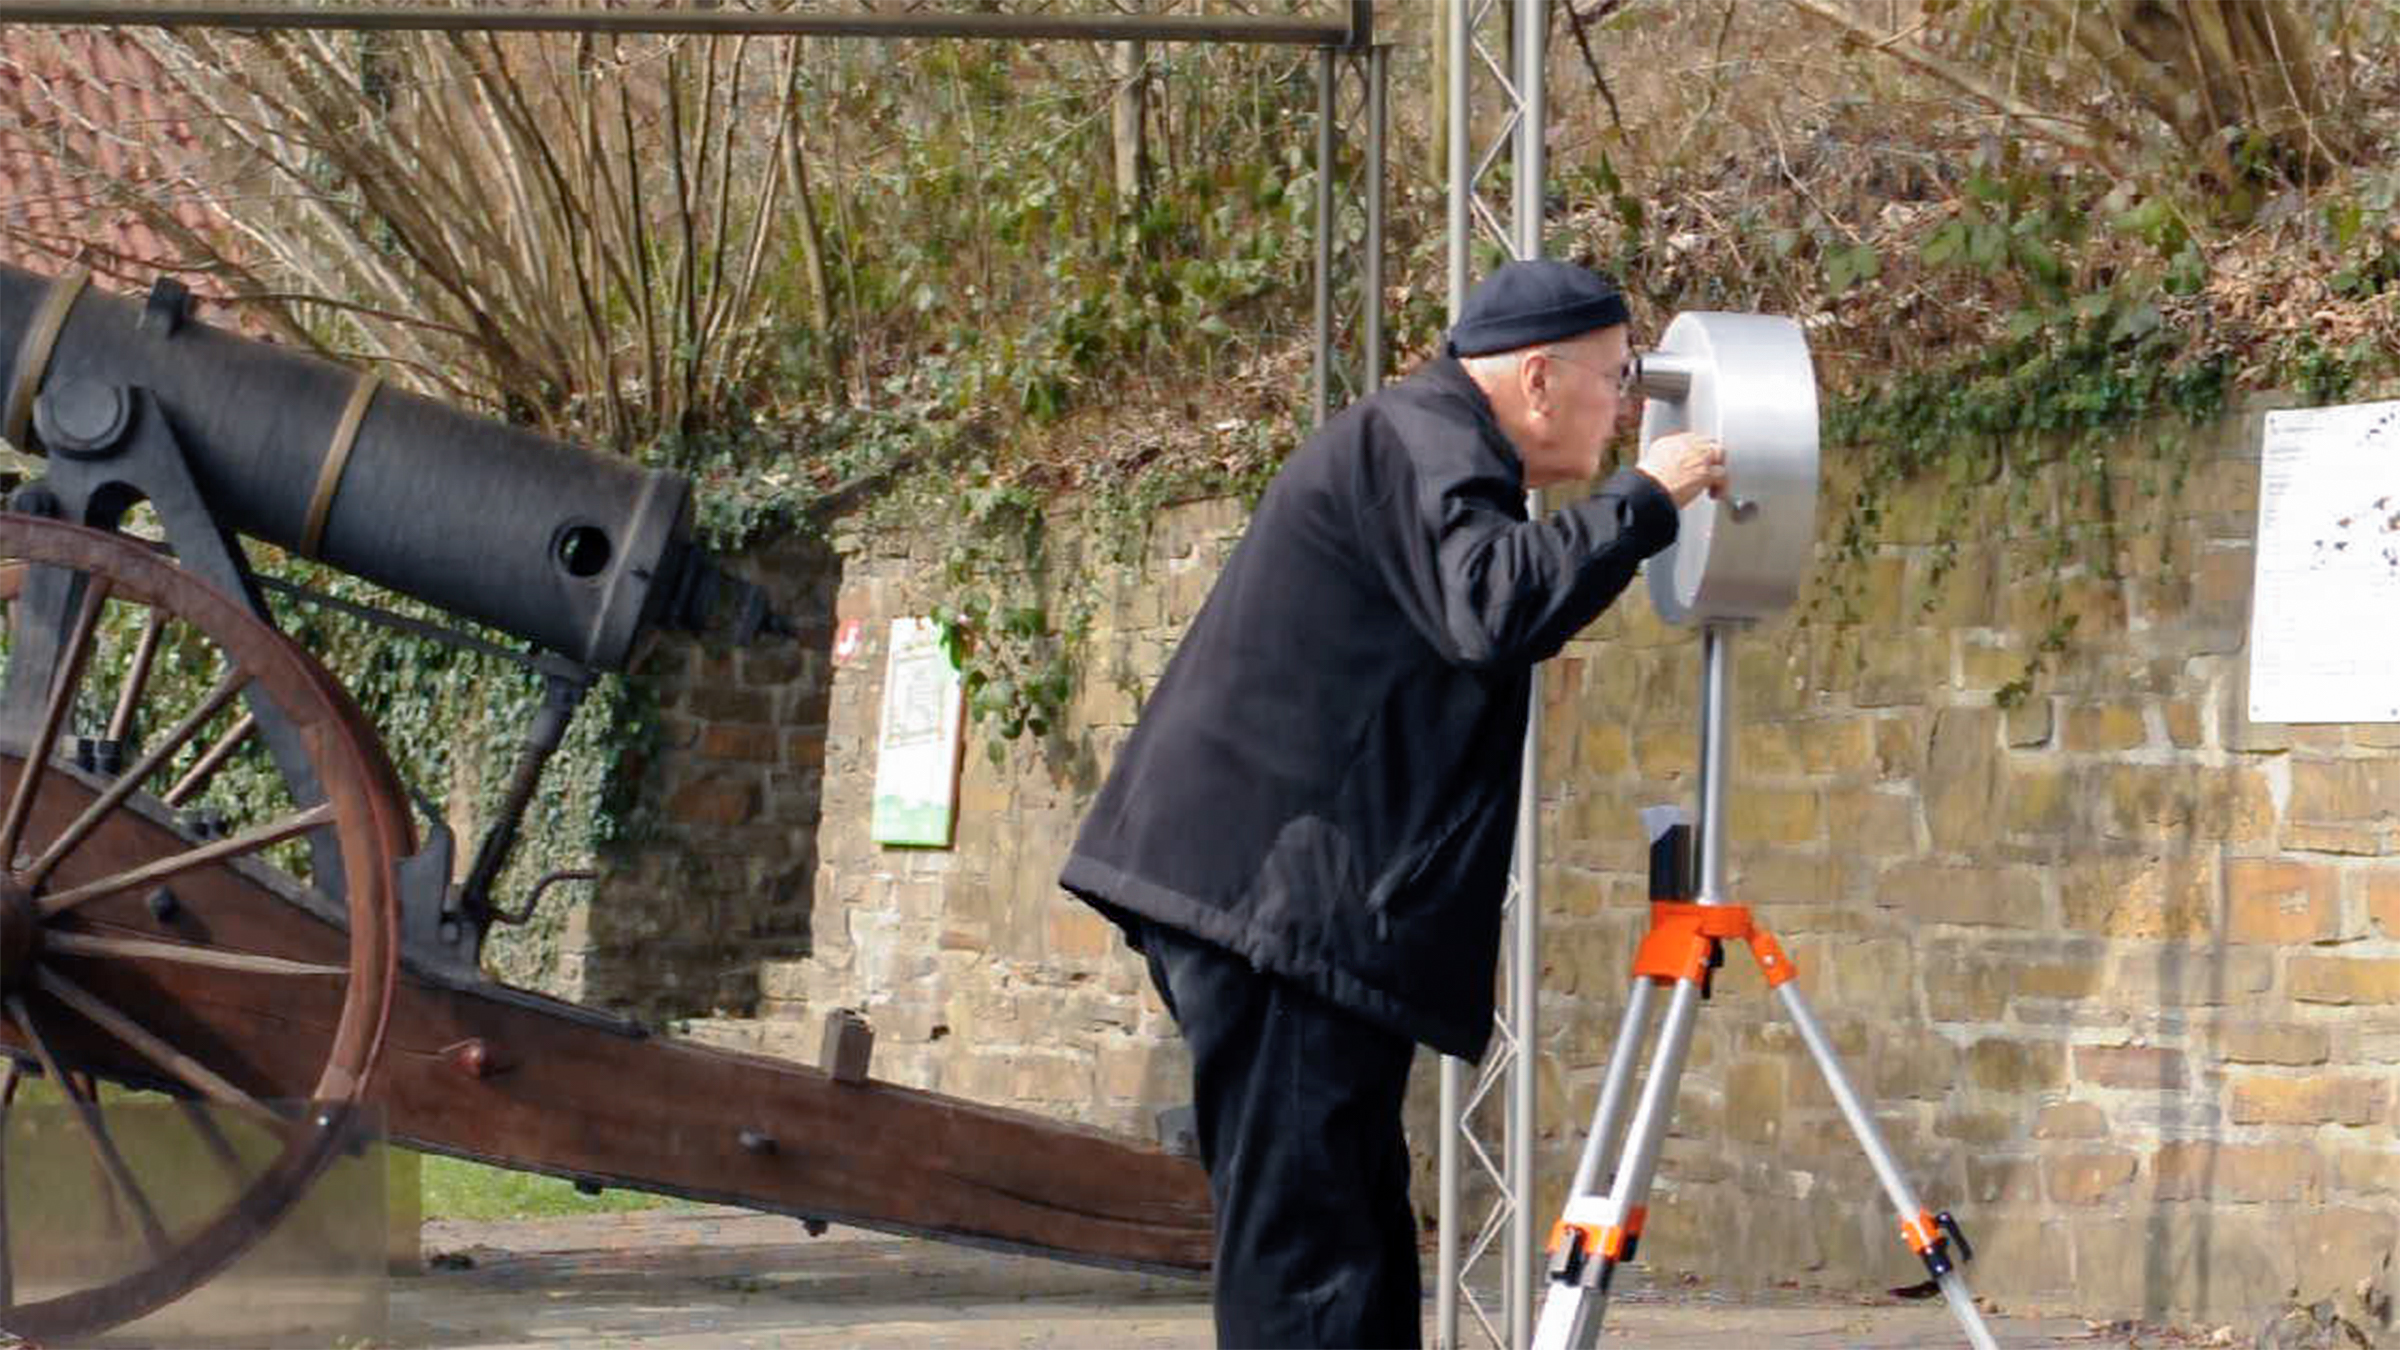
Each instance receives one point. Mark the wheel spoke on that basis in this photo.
(62, 694)
(193, 1073)
(137, 676)
(212, 761)
(15, 1074)
(104, 1147)
(130, 781)
(219, 1147)
(248, 841)
(182, 953)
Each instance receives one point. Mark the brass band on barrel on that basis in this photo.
(33, 354)
(337, 458)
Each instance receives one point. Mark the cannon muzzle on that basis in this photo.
(567, 547)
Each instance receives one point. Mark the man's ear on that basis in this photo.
(1533, 378)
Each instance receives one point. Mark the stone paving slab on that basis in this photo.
(729, 1279)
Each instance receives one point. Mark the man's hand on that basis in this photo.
(1686, 464)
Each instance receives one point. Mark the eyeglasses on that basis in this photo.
(1626, 375)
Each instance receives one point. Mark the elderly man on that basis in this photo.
(1308, 833)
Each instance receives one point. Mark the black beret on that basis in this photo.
(1541, 300)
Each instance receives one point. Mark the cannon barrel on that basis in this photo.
(567, 547)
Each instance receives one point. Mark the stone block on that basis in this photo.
(729, 702)
(1872, 821)
(1999, 1179)
(1977, 1127)
(2016, 1067)
(1842, 747)
(1934, 893)
(742, 743)
(2288, 1043)
(2205, 1169)
(1774, 815)
(2220, 607)
(2186, 728)
(2373, 1173)
(1138, 1069)
(1901, 671)
(1873, 978)
(1666, 751)
(2177, 975)
(2030, 724)
(2318, 1099)
(2382, 887)
(2106, 728)
(2169, 897)
(2342, 806)
(1966, 595)
(1883, 593)
(1603, 749)
(1050, 1076)
(1765, 749)
(1975, 981)
(1963, 780)
(2344, 979)
(2023, 1262)
(2070, 1120)
(1803, 889)
(2185, 1260)
(2340, 1247)
(2089, 1176)
(714, 799)
(2147, 1067)
(1989, 661)
(2046, 798)
(2277, 901)
(1754, 1100)
(1919, 1065)
(1078, 933)
(1900, 744)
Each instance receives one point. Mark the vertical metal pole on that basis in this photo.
(1322, 396)
(1533, 26)
(1454, 1070)
(1532, 165)
(1371, 274)
(1716, 755)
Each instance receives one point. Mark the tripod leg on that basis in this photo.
(1929, 1237)
(1616, 1088)
(1576, 1301)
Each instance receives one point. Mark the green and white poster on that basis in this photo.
(916, 755)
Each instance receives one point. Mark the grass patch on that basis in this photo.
(454, 1188)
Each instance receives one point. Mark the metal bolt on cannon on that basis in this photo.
(1747, 380)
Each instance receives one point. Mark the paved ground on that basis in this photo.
(732, 1280)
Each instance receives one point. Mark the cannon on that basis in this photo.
(309, 962)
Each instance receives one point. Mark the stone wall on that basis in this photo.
(979, 976)
(719, 883)
(2119, 968)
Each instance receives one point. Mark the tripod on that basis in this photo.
(1600, 1230)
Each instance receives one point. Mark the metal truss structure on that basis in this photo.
(1495, 62)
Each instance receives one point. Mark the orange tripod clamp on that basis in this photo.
(1683, 940)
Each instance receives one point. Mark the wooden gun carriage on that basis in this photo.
(313, 963)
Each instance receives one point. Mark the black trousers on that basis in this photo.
(1299, 1107)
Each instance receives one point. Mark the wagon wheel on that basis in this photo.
(149, 942)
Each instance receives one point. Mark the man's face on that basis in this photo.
(1574, 391)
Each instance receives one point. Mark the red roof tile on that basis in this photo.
(88, 127)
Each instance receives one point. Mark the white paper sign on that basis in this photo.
(2325, 605)
(916, 753)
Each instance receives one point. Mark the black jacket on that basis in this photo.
(1325, 780)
